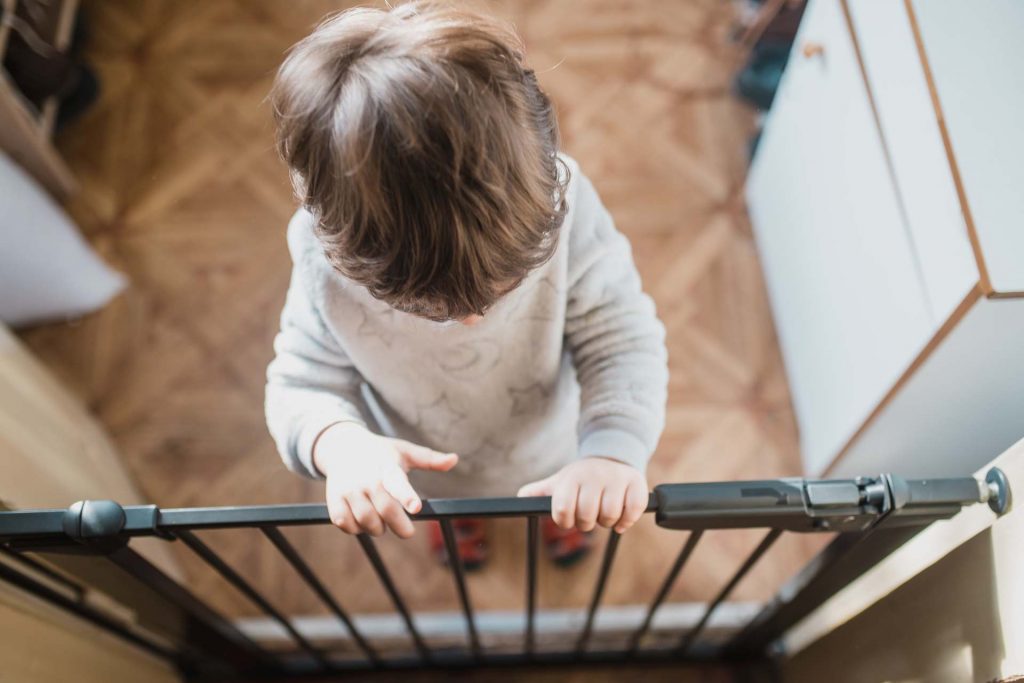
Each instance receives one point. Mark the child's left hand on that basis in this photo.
(593, 491)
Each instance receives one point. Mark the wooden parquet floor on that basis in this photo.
(180, 189)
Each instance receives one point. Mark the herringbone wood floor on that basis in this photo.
(181, 190)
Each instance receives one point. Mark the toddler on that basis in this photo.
(463, 317)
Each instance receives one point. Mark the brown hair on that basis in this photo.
(427, 153)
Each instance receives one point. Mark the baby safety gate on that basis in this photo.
(871, 516)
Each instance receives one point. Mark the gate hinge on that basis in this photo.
(96, 524)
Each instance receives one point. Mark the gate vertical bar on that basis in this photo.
(595, 600)
(389, 585)
(666, 586)
(847, 557)
(212, 630)
(84, 611)
(459, 575)
(236, 580)
(751, 560)
(289, 553)
(37, 566)
(531, 582)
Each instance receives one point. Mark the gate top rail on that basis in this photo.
(791, 504)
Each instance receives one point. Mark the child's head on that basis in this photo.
(426, 152)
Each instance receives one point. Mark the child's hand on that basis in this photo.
(367, 485)
(594, 491)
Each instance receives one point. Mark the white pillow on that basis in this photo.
(47, 270)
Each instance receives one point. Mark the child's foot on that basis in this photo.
(565, 547)
(470, 542)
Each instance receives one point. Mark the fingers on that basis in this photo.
(365, 513)
(397, 484)
(371, 513)
(635, 504)
(391, 512)
(541, 487)
(341, 515)
(613, 501)
(588, 504)
(563, 502)
(423, 458)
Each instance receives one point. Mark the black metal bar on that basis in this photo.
(453, 660)
(841, 562)
(303, 569)
(202, 649)
(751, 560)
(17, 524)
(385, 578)
(236, 580)
(595, 600)
(26, 526)
(209, 629)
(666, 586)
(792, 504)
(459, 575)
(84, 611)
(46, 571)
(531, 582)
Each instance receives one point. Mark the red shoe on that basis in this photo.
(470, 542)
(565, 547)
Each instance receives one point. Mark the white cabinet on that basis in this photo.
(849, 306)
(898, 356)
(964, 403)
(922, 174)
(976, 53)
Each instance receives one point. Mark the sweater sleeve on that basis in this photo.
(311, 383)
(615, 338)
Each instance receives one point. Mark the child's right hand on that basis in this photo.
(367, 485)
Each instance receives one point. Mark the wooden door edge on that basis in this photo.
(985, 281)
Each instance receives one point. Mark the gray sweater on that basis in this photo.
(570, 364)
